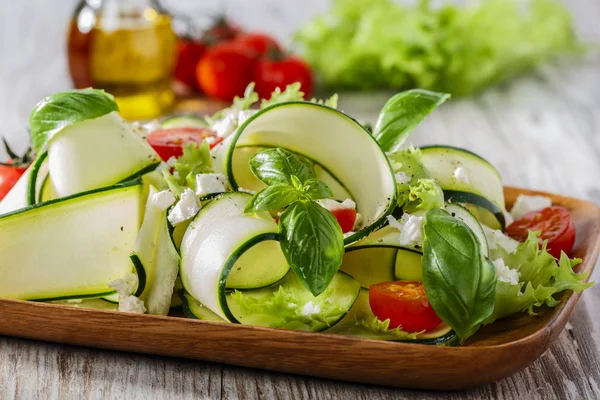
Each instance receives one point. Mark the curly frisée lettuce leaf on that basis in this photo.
(370, 327)
(370, 44)
(292, 92)
(291, 307)
(416, 189)
(195, 160)
(424, 195)
(541, 277)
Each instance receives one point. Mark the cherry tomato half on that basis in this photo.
(170, 142)
(278, 73)
(404, 303)
(554, 224)
(345, 217)
(226, 70)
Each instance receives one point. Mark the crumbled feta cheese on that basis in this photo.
(186, 208)
(402, 178)
(210, 183)
(126, 285)
(171, 161)
(162, 166)
(210, 139)
(226, 125)
(333, 205)
(496, 238)
(132, 304)
(508, 219)
(244, 115)
(230, 121)
(505, 274)
(460, 174)
(410, 227)
(310, 309)
(163, 199)
(525, 203)
(241, 189)
(348, 234)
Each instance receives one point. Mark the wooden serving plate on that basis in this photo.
(496, 351)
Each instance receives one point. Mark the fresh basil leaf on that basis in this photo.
(56, 112)
(296, 183)
(273, 198)
(315, 189)
(459, 281)
(312, 243)
(277, 165)
(402, 113)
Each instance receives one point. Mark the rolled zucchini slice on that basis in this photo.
(96, 153)
(345, 154)
(156, 253)
(380, 258)
(71, 247)
(483, 188)
(232, 264)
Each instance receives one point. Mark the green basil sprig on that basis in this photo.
(402, 113)
(56, 112)
(310, 237)
(459, 281)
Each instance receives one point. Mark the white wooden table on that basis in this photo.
(542, 132)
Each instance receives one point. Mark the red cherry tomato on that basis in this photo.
(345, 217)
(259, 43)
(554, 224)
(189, 53)
(170, 142)
(278, 73)
(226, 70)
(9, 175)
(404, 303)
(11, 171)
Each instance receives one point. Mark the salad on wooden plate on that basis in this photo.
(288, 214)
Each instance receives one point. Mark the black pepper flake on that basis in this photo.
(121, 229)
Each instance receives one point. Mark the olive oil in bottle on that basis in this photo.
(126, 47)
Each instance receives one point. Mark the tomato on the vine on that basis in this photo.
(189, 53)
(226, 70)
(280, 71)
(170, 142)
(554, 224)
(259, 42)
(405, 304)
(222, 29)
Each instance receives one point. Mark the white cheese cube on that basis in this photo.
(525, 203)
(410, 227)
(163, 199)
(210, 183)
(402, 178)
(460, 174)
(187, 207)
(505, 274)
